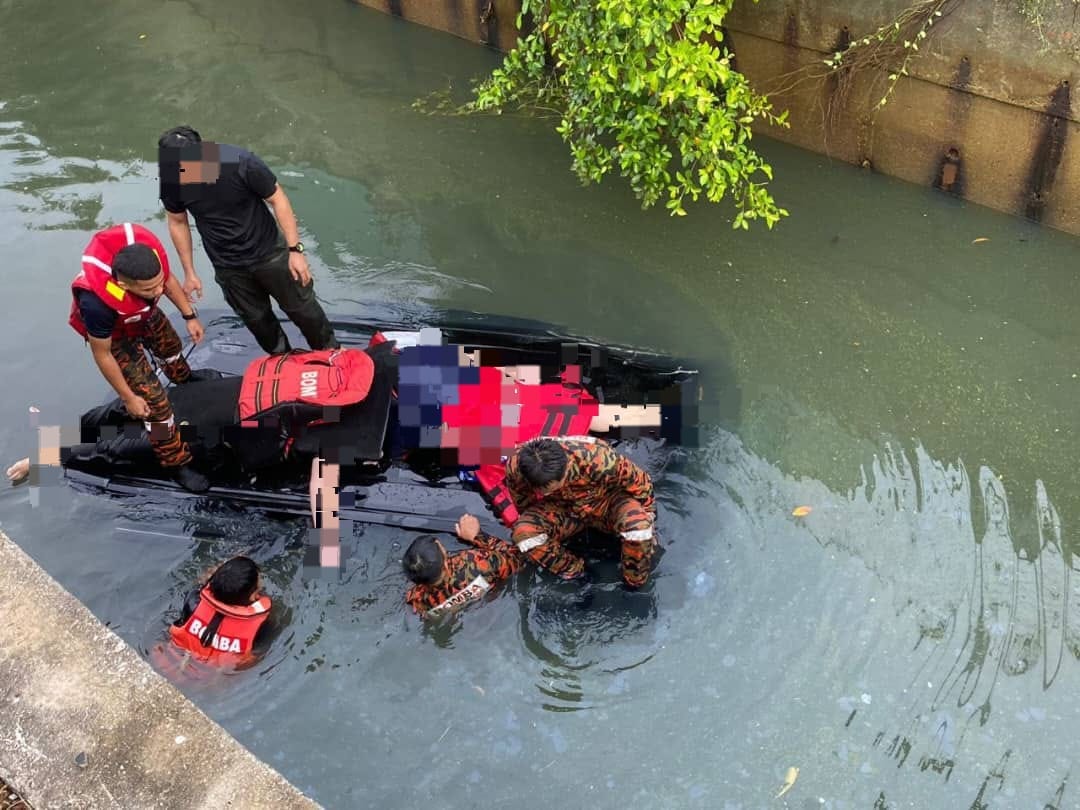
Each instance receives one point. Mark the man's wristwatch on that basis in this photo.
(297, 248)
(194, 314)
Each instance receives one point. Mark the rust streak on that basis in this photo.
(1048, 152)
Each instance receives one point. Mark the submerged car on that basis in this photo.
(414, 413)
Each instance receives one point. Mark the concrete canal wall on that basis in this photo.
(86, 723)
(985, 111)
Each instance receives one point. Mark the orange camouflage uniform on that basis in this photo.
(161, 339)
(603, 490)
(467, 576)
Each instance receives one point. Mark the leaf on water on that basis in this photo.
(980, 239)
(801, 511)
(789, 781)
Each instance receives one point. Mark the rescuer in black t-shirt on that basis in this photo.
(227, 190)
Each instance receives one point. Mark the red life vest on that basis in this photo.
(548, 409)
(231, 640)
(96, 276)
(323, 378)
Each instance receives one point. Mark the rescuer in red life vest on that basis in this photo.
(224, 621)
(125, 270)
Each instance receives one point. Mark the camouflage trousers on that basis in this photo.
(161, 339)
(542, 529)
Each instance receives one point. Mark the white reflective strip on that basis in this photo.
(474, 590)
(403, 339)
(638, 536)
(97, 263)
(530, 543)
(176, 356)
(258, 607)
(169, 423)
(129, 232)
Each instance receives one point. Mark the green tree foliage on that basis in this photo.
(646, 86)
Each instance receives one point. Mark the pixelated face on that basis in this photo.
(198, 163)
(150, 288)
(199, 171)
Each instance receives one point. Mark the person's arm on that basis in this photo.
(516, 485)
(634, 481)
(286, 217)
(505, 559)
(180, 232)
(468, 531)
(180, 300)
(101, 348)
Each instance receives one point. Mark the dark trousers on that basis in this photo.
(248, 291)
(160, 338)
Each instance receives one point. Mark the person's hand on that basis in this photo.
(298, 266)
(19, 470)
(137, 407)
(194, 328)
(467, 528)
(192, 287)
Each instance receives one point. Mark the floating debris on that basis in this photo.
(801, 511)
(789, 781)
(980, 239)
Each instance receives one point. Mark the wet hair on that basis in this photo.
(423, 560)
(234, 582)
(542, 462)
(137, 262)
(179, 138)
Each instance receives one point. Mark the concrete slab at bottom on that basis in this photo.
(71, 688)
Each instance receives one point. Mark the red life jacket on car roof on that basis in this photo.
(324, 378)
(231, 640)
(96, 277)
(550, 409)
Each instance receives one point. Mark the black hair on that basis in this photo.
(179, 137)
(423, 560)
(542, 462)
(137, 262)
(234, 581)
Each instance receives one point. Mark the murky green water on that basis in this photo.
(912, 643)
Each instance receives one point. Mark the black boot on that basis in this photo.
(191, 479)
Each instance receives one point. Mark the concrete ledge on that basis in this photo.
(69, 685)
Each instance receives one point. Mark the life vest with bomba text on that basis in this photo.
(331, 377)
(96, 277)
(220, 633)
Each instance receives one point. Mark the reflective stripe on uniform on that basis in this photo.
(638, 535)
(474, 590)
(129, 232)
(169, 423)
(529, 543)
